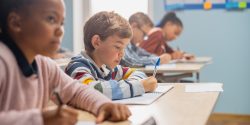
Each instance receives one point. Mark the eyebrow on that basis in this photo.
(120, 42)
(54, 12)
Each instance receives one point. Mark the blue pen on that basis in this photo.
(156, 64)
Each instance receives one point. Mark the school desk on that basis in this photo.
(176, 107)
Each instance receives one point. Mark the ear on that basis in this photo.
(14, 22)
(134, 25)
(96, 41)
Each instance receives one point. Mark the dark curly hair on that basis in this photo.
(170, 17)
(8, 6)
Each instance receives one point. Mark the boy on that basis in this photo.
(136, 56)
(106, 34)
(30, 30)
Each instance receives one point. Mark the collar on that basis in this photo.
(22, 62)
(104, 71)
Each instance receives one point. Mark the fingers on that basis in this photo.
(113, 112)
(120, 113)
(101, 116)
(62, 115)
(116, 113)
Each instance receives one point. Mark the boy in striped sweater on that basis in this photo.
(106, 34)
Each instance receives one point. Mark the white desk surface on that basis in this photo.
(176, 107)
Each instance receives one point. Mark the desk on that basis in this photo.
(63, 62)
(202, 60)
(176, 107)
(178, 68)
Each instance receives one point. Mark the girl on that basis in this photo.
(30, 30)
(169, 29)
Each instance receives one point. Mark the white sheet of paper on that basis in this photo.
(146, 98)
(200, 87)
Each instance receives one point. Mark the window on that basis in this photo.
(123, 7)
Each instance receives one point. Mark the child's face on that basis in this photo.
(171, 31)
(138, 35)
(111, 50)
(41, 30)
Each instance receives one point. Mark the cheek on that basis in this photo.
(107, 54)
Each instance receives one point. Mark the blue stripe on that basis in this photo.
(71, 67)
(116, 90)
(200, 6)
(131, 88)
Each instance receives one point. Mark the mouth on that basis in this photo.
(118, 61)
(56, 42)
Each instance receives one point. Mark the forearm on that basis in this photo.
(26, 117)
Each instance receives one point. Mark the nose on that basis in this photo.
(121, 53)
(59, 31)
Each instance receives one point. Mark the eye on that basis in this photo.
(51, 19)
(117, 48)
(62, 23)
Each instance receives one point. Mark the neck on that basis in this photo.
(28, 53)
(95, 58)
(146, 29)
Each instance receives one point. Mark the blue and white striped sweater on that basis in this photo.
(119, 83)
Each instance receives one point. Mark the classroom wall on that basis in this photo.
(225, 36)
(67, 41)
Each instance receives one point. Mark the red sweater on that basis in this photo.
(156, 44)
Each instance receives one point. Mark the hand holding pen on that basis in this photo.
(150, 83)
(178, 54)
(61, 115)
(186, 56)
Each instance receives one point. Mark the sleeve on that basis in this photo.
(138, 59)
(143, 52)
(3, 70)
(113, 89)
(26, 117)
(168, 49)
(73, 93)
(155, 43)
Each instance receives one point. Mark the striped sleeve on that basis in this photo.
(132, 78)
(80, 72)
(114, 88)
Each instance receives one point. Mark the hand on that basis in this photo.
(149, 84)
(177, 55)
(188, 56)
(113, 112)
(62, 116)
(165, 58)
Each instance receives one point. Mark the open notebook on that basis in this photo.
(146, 98)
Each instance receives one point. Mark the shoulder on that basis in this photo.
(7, 61)
(6, 54)
(77, 62)
(2, 69)
(155, 31)
(45, 61)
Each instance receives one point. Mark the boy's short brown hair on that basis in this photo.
(141, 19)
(105, 24)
